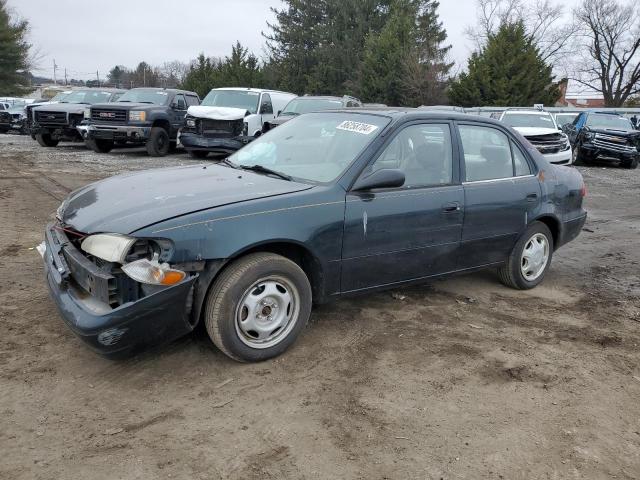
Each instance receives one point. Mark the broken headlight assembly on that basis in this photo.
(190, 122)
(143, 260)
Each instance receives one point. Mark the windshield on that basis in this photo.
(611, 122)
(564, 118)
(156, 97)
(298, 106)
(314, 148)
(87, 96)
(233, 99)
(538, 120)
(59, 97)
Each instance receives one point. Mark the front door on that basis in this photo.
(500, 192)
(410, 232)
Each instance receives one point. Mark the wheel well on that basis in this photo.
(163, 124)
(552, 224)
(297, 254)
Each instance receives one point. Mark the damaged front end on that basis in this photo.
(116, 292)
(219, 131)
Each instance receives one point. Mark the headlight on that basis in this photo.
(190, 122)
(60, 211)
(245, 129)
(87, 113)
(137, 116)
(589, 136)
(152, 272)
(111, 247)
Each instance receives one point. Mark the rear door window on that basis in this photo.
(487, 153)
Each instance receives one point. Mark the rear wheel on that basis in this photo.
(631, 163)
(158, 143)
(46, 140)
(100, 145)
(198, 154)
(530, 258)
(257, 307)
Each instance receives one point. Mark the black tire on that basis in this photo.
(4, 130)
(223, 310)
(578, 156)
(100, 145)
(511, 273)
(198, 154)
(158, 144)
(630, 163)
(45, 140)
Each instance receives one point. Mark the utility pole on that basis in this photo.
(65, 77)
(55, 80)
(144, 76)
(98, 77)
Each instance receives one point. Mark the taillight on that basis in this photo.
(583, 191)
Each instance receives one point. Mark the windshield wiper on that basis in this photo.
(124, 101)
(228, 163)
(265, 170)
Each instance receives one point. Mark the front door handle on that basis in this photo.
(532, 197)
(451, 207)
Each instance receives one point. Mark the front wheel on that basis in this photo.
(257, 307)
(631, 163)
(530, 258)
(158, 143)
(100, 145)
(578, 156)
(46, 140)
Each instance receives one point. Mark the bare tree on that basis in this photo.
(543, 21)
(610, 37)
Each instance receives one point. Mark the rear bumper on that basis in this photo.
(155, 319)
(571, 229)
(118, 132)
(192, 141)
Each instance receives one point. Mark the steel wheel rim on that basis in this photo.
(267, 312)
(535, 257)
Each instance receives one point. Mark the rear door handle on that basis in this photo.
(532, 197)
(451, 207)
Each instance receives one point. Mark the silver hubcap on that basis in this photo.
(267, 312)
(534, 257)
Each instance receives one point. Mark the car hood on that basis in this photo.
(217, 113)
(535, 131)
(65, 107)
(126, 203)
(126, 106)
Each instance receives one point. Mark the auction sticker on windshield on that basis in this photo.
(351, 126)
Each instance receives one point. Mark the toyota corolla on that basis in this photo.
(327, 205)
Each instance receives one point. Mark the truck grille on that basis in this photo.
(5, 117)
(51, 118)
(613, 143)
(109, 115)
(220, 128)
(546, 144)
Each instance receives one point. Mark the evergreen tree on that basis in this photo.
(241, 69)
(508, 70)
(14, 54)
(202, 76)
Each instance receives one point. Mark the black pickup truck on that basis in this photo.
(143, 116)
(603, 135)
(56, 122)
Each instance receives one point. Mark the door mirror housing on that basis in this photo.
(383, 178)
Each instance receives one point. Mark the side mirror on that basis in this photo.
(279, 112)
(383, 178)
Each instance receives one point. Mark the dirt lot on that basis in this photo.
(462, 378)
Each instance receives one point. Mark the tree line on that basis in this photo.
(397, 52)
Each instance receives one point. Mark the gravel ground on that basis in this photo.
(458, 379)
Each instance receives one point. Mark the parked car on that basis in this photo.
(29, 108)
(142, 116)
(327, 205)
(229, 118)
(55, 123)
(604, 135)
(5, 121)
(563, 118)
(309, 103)
(540, 129)
(13, 119)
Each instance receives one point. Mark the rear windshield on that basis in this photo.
(233, 99)
(155, 97)
(87, 96)
(612, 122)
(299, 106)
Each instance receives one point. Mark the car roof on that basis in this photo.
(397, 114)
(170, 90)
(525, 111)
(248, 89)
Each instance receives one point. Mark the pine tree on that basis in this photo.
(507, 71)
(14, 54)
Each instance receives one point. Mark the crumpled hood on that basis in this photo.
(535, 131)
(126, 203)
(63, 107)
(217, 113)
(126, 106)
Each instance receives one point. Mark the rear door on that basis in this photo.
(501, 193)
(411, 232)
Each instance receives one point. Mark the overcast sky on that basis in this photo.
(87, 36)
